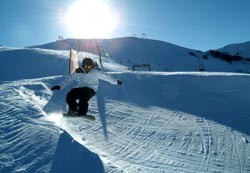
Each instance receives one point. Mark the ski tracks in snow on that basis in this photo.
(23, 146)
(141, 139)
(205, 134)
(155, 139)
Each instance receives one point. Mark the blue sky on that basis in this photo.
(197, 24)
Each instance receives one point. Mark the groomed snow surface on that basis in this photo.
(157, 122)
(167, 122)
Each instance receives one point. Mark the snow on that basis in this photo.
(161, 56)
(155, 122)
(241, 49)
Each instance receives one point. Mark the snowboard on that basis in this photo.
(89, 117)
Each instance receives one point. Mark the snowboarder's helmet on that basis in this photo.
(87, 64)
(87, 61)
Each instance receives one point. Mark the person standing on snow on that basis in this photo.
(87, 76)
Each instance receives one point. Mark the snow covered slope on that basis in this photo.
(31, 144)
(34, 63)
(31, 63)
(156, 121)
(242, 49)
(130, 51)
(161, 56)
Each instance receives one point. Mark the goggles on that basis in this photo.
(87, 67)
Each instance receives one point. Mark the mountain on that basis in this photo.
(161, 56)
(130, 51)
(242, 49)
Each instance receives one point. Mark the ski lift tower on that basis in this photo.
(99, 49)
(60, 40)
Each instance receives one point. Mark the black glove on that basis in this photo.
(119, 82)
(57, 87)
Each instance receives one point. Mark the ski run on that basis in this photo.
(156, 122)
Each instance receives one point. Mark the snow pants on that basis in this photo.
(83, 94)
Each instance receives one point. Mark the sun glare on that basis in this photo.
(90, 19)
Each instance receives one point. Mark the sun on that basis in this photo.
(90, 19)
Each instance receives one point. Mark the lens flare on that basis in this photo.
(90, 19)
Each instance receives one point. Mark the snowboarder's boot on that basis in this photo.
(72, 113)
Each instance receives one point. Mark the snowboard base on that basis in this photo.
(89, 117)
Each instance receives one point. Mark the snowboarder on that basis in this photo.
(87, 76)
